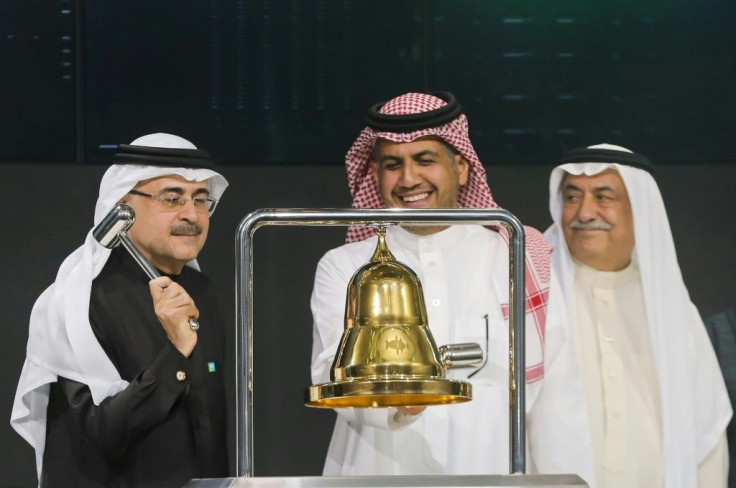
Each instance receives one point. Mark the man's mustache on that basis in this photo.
(592, 225)
(186, 229)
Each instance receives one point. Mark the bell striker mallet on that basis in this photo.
(113, 231)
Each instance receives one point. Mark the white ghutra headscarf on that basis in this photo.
(695, 404)
(61, 342)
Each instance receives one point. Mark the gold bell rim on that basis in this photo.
(379, 393)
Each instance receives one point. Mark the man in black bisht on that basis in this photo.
(722, 331)
(118, 388)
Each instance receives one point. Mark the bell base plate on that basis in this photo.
(388, 393)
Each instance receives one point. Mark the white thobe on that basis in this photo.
(612, 343)
(464, 275)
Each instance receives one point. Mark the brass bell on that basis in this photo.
(387, 356)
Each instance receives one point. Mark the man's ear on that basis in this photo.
(463, 169)
(374, 169)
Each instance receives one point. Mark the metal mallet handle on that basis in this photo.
(143, 262)
(113, 231)
(139, 258)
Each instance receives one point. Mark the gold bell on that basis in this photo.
(387, 356)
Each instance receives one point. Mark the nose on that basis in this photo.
(410, 175)
(588, 209)
(188, 211)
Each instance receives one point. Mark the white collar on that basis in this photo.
(433, 242)
(596, 278)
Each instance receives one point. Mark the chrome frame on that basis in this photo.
(346, 217)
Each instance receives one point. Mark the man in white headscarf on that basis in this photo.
(654, 394)
(118, 389)
(416, 153)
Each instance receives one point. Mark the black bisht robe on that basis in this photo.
(722, 331)
(168, 425)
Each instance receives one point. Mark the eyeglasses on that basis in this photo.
(172, 202)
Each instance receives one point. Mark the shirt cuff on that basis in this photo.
(170, 369)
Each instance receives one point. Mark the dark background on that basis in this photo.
(277, 91)
(288, 81)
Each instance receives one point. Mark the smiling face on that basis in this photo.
(168, 238)
(418, 174)
(597, 220)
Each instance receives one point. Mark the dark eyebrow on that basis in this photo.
(604, 188)
(415, 156)
(180, 190)
(570, 186)
(426, 152)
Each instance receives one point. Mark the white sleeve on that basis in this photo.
(328, 311)
(557, 425)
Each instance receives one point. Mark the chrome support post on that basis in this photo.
(347, 217)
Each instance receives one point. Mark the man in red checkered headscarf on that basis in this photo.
(416, 153)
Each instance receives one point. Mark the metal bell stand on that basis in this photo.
(244, 364)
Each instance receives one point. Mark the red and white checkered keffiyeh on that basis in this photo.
(474, 194)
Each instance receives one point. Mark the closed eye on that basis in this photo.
(605, 197)
(391, 164)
